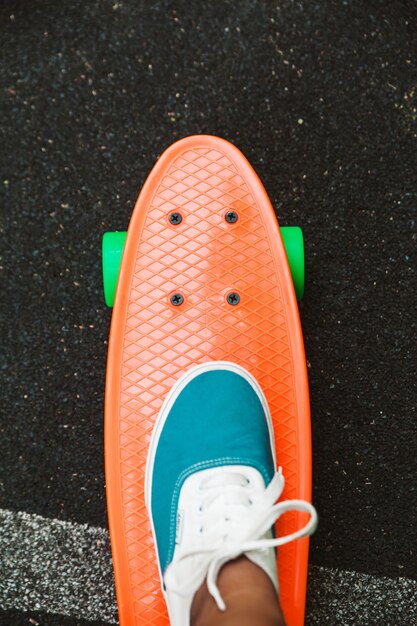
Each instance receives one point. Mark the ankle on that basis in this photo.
(248, 593)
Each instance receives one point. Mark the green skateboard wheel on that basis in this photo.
(112, 250)
(292, 237)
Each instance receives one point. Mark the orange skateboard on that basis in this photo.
(204, 275)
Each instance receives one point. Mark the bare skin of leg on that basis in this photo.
(248, 593)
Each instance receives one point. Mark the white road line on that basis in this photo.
(51, 566)
(344, 598)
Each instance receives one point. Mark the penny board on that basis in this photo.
(153, 343)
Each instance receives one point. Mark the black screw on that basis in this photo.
(175, 218)
(231, 217)
(177, 299)
(233, 298)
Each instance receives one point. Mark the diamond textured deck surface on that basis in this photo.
(204, 258)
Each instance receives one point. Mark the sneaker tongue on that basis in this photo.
(266, 560)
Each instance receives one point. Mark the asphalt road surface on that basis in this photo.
(322, 99)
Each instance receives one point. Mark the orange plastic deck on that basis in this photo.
(152, 343)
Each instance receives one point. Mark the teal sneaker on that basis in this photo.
(211, 483)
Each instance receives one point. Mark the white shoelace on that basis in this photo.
(255, 523)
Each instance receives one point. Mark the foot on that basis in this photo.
(211, 484)
(248, 593)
